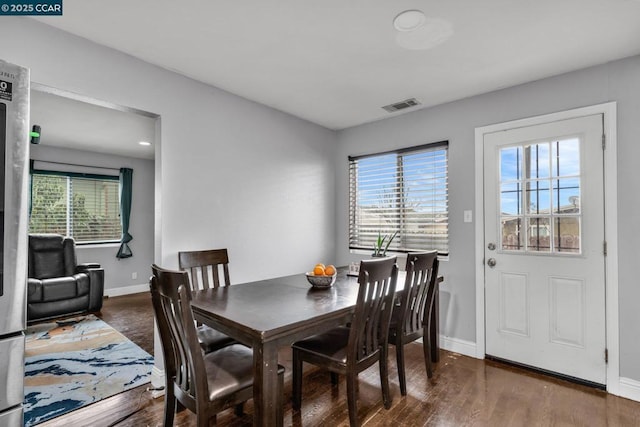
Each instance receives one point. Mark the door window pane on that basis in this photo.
(565, 159)
(538, 163)
(566, 196)
(511, 236)
(567, 234)
(538, 234)
(510, 199)
(538, 201)
(510, 164)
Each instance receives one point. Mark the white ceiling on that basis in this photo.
(337, 62)
(72, 123)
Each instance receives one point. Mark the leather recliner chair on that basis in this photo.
(57, 285)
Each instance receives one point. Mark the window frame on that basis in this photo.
(80, 175)
(353, 187)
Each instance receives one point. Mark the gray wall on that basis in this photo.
(117, 273)
(618, 81)
(229, 172)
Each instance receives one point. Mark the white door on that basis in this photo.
(544, 247)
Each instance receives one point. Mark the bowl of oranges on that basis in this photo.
(322, 276)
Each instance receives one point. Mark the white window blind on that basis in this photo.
(86, 208)
(403, 191)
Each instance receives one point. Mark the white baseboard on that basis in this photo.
(157, 380)
(629, 389)
(468, 348)
(126, 290)
(456, 345)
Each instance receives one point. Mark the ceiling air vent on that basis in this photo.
(407, 103)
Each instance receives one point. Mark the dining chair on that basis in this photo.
(411, 317)
(350, 350)
(203, 268)
(203, 383)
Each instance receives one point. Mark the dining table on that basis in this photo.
(269, 314)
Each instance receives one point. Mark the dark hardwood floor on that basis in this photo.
(463, 392)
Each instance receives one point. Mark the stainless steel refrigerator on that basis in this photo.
(14, 177)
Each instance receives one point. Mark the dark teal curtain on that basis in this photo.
(31, 163)
(126, 179)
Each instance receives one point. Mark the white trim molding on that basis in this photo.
(629, 388)
(157, 381)
(456, 345)
(615, 385)
(126, 290)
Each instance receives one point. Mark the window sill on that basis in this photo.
(97, 245)
(402, 256)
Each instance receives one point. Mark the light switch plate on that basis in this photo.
(468, 216)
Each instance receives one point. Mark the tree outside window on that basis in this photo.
(85, 208)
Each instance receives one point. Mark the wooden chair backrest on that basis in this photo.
(204, 267)
(419, 290)
(171, 297)
(370, 323)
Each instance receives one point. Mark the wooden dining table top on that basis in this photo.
(266, 308)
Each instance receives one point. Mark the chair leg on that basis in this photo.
(335, 378)
(400, 362)
(426, 346)
(169, 406)
(296, 392)
(352, 397)
(384, 378)
(204, 419)
(239, 409)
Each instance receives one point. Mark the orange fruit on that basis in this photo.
(318, 270)
(320, 265)
(330, 270)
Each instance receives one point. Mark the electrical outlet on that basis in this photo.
(134, 275)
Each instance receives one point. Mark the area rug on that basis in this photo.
(76, 362)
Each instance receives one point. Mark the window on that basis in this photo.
(403, 191)
(85, 207)
(540, 187)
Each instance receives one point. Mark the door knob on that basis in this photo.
(491, 262)
(491, 246)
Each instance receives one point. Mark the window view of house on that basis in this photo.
(540, 197)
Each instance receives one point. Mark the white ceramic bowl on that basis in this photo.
(321, 281)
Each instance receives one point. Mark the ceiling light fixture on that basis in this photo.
(409, 20)
(145, 143)
(417, 32)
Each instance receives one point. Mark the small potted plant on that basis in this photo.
(382, 244)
